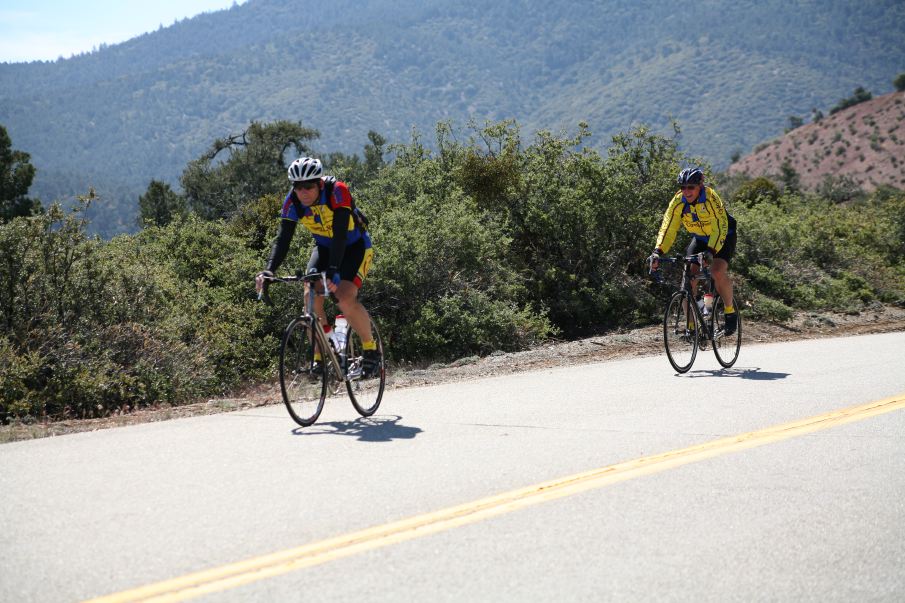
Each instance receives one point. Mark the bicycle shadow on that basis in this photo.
(379, 428)
(752, 373)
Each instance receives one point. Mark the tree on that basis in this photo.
(16, 176)
(160, 205)
(794, 122)
(859, 96)
(352, 169)
(760, 189)
(789, 177)
(899, 82)
(255, 167)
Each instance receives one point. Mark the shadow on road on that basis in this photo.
(372, 429)
(753, 373)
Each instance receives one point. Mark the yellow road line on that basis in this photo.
(251, 570)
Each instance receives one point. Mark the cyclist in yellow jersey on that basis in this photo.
(700, 209)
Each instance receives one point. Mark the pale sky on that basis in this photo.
(42, 30)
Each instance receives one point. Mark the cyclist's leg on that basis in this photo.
(722, 282)
(353, 271)
(695, 246)
(720, 270)
(318, 263)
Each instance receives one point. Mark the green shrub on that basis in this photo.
(93, 328)
(769, 280)
(758, 190)
(766, 308)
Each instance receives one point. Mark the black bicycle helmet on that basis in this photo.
(690, 176)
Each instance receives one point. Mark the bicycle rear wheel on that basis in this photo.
(304, 385)
(680, 331)
(365, 391)
(725, 348)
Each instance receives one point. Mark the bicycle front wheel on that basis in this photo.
(304, 383)
(365, 387)
(680, 331)
(725, 347)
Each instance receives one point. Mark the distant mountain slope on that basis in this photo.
(865, 142)
(731, 73)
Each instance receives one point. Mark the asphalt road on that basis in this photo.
(781, 514)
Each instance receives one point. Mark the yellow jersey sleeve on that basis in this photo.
(669, 228)
(719, 223)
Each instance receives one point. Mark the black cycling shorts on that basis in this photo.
(356, 261)
(725, 253)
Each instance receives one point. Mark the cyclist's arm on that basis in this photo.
(281, 244)
(341, 204)
(670, 225)
(341, 216)
(720, 226)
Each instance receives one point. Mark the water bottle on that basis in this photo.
(708, 303)
(340, 332)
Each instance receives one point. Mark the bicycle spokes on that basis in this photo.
(303, 380)
(681, 331)
(365, 387)
(726, 347)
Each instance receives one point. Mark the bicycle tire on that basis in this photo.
(304, 390)
(726, 349)
(681, 343)
(365, 393)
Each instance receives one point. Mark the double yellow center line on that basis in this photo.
(258, 568)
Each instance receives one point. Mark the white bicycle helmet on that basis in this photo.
(306, 168)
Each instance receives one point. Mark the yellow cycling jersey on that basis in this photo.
(705, 218)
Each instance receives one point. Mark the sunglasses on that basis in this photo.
(305, 184)
(689, 187)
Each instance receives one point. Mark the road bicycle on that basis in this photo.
(305, 383)
(690, 323)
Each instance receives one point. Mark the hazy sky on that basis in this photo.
(41, 30)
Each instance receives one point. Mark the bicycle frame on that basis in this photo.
(328, 352)
(687, 286)
(688, 281)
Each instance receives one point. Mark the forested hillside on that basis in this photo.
(729, 72)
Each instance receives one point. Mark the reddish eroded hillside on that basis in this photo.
(865, 142)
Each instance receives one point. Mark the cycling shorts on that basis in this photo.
(725, 253)
(356, 261)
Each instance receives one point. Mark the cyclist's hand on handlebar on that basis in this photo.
(260, 280)
(654, 261)
(333, 279)
(707, 256)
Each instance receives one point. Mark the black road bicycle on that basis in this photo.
(306, 383)
(688, 324)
